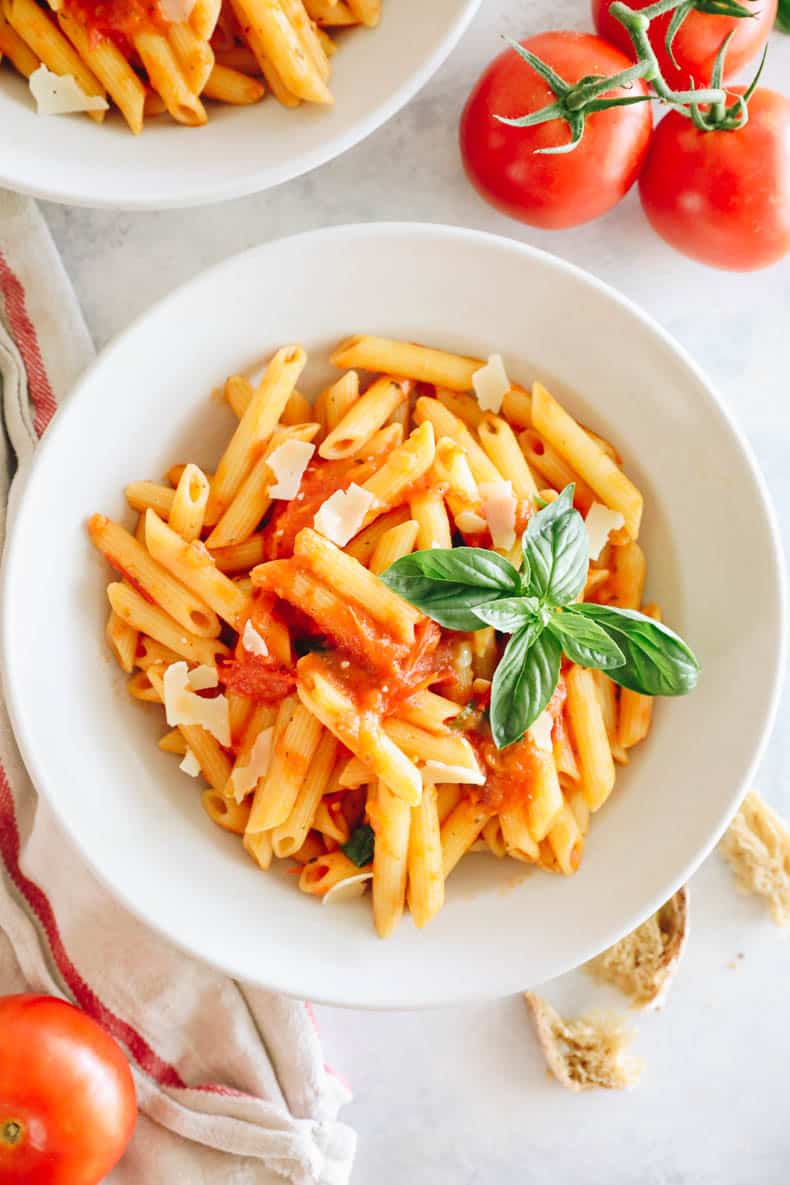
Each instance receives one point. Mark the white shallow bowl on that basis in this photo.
(242, 149)
(708, 535)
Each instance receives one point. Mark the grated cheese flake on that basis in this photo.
(342, 515)
(599, 522)
(190, 765)
(184, 706)
(348, 889)
(176, 10)
(437, 771)
(245, 779)
(491, 384)
(541, 731)
(288, 463)
(252, 641)
(61, 94)
(499, 511)
(202, 677)
(470, 522)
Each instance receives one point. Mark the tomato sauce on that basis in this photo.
(321, 479)
(262, 679)
(116, 20)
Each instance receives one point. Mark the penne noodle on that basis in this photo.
(40, 33)
(447, 424)
(141, 570)
(391, 820)
(407, 360)
(589, 733)
(122, 639)
(363, 546)
(428, 510)
(364, 416)
(592, 464)
(367, 12)
(393, 544)
(167, 78)
(425, 876)
(239, 557)
(141, 615)
(460, 829)
(227, 85)
(464, 407)
(147, 495)
(189, 503)
(191, 563)
(16, 49)
(283, 48)
(500, 444)
(193, 54)
(322, 874)
(548, 464)
(110, 68)
(290, 835)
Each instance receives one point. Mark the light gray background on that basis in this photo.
(460, 1097)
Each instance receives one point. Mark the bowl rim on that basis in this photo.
(284, 982)
(259, 180)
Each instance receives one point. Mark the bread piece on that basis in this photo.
(757, 846)
(643, 964)
(586, 1053)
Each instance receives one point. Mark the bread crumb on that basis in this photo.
(643, 964)
(586, 1053)
(757, 846)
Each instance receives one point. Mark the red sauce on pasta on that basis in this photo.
(262, 679)
(116, 20)
(321, 479)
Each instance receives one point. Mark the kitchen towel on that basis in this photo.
(231, 1081)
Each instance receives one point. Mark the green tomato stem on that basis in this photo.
(11, 1132)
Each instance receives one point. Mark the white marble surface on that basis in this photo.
(460, 1096)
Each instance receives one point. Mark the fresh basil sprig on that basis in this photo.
(467, 588)
(360, 845)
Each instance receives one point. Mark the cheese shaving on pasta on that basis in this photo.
(61, 94)
(341, 516)
(245, 779)
(190, 765)
(599, 522)
(499, 510)
(541, 731)
(437, 771)
(288, 463)
(491, 384)
(184, 706)
(470, 522)
(252, 641)
(202, 677)
(176, 10)
(347, 890)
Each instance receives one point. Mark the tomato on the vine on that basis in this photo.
(504, 162)
(698, 40)
(67, 1100)
(723, 197)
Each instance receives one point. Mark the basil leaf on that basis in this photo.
(359, 845)
(585, 642)
(524, 682)
(657, 661)
(556, 552)
(447, 584)
(508, 614)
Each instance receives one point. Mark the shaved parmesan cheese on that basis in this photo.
(541, 731)
(190, 764)
(252, 641)
(184, 706)
(288, 463)
(61, 94)
(499, 510)
(599, 522)
(347, 890)
(470, 522)
(437, 771)
(176, 10)
(491, 384)
(342, 515)
(245, 779)
(203, 677)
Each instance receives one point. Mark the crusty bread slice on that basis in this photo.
(643, 964)
(586, 1053)
(757, 845)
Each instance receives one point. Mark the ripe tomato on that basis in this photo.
(552, 191)
(67, 1101)
(698, 39)
(723, 197)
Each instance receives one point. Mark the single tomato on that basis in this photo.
(553, 191)
(67, 1101)
(723, 197)
(697, 41)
